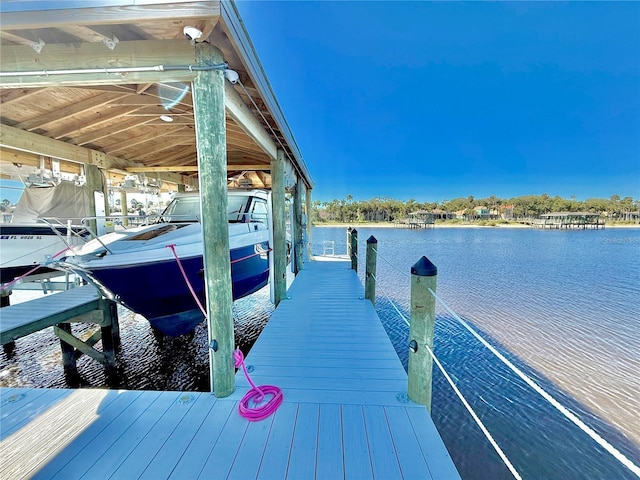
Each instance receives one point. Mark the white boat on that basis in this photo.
(30, 241)
(137, 266)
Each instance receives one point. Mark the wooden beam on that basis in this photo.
(86, 56)
(40, 120)
(17, 139)
(241, 114)
(49, 15)
(177, 168)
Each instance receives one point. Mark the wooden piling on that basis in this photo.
(211, 140)
(309, 212)
(297, 227)
(423, 308)
(279, 241)
(349, 241)
(370, 270)
(354, 249)
(125, 209)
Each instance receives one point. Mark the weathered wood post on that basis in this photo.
(125, 209)
(370, 270)
(69, 363)
(297, 227)
(354, 249)
(423, 311)
(279, 241)
(309, 211)
(94, 184)
(5, 302)
(349, 241)
(211, 140)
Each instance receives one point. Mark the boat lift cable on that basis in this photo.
(561, 408)
(266, 122)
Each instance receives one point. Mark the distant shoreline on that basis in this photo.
(447, 225)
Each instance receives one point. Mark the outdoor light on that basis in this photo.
(232, 76)
(192, 33)
(166, 118)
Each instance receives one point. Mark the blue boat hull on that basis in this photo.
(158, 291)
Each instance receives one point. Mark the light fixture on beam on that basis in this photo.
(166, 118)
(192, 33)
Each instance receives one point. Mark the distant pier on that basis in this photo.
(569, 220)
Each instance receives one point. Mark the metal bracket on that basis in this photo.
(111, 42)
(37, 46)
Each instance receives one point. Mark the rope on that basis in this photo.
(172, 247)
(8, 285)
(260, 409)
(389, 299)
(256, 395)
(495, 445)
(391, 264)
(561, 408)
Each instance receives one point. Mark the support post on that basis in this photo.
(95, 183)
(68, 353)
(297, 227)
(349, 241)
(370, 270)
(354, 249)
(211, 140)
(125, 208)
(423, 307)
(279, 245)
(309, 210)
(6, 302)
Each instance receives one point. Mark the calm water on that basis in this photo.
(563, 306)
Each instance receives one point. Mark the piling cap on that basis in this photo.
(424, 268)
(372, 239)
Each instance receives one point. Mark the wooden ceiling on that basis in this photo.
(118, 117)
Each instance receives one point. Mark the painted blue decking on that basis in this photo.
(344, 414)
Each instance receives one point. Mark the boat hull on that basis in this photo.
(157, 290)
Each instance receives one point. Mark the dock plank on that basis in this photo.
(302, 459)
(275, 459)
(154, 439)
(107, 412)
(177, 443)
(24, 318)
(330, 463)
(191, 463)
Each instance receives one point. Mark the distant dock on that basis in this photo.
(569, 220)
(417, 220)
(345, 412)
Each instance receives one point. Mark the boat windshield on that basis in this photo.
(184, 209)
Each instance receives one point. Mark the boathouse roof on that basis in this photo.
(108, 109)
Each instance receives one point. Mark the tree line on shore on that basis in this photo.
(385, 209)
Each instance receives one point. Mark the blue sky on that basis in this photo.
(434, 101)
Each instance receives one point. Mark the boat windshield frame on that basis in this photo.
(186, 209)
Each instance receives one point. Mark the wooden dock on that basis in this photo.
(345, 412)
